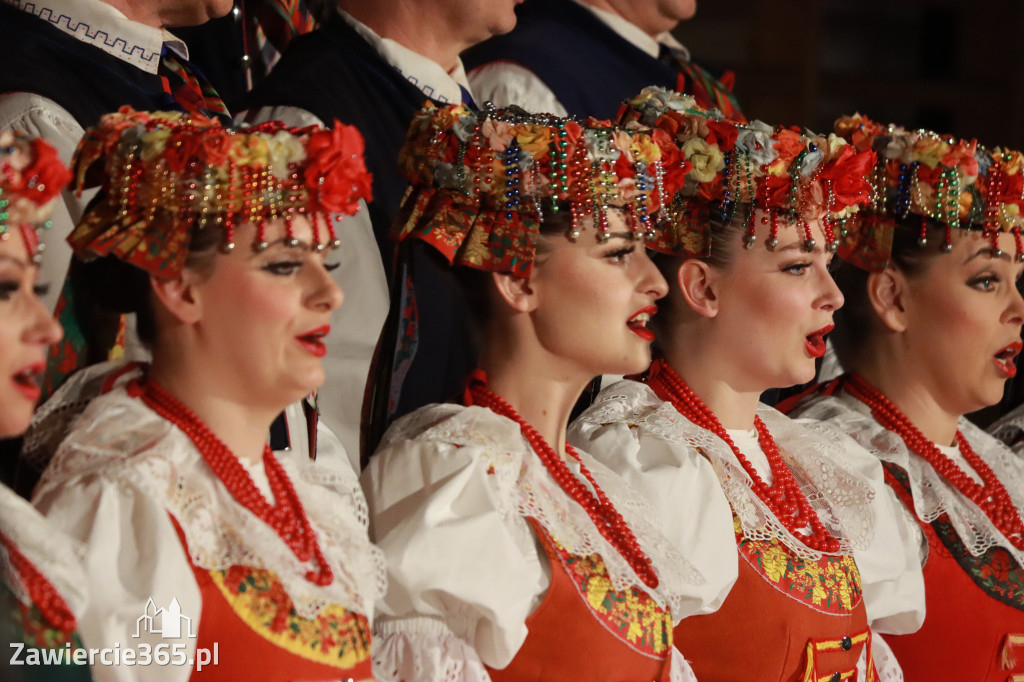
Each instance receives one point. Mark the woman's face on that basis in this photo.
(774, 308)
(265, 315)
(594, 300)
(963, 318)
(27, 329)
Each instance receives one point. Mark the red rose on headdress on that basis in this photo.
(774, 191)
(336, 166)
(183, 146)
(848, 174)
(723, 133)
(788, 143)
(216, 146)
(44, 178)
(675, 165)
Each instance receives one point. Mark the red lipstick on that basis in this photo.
(26, 380)
(815, 341)
(638, 322)
(1005, 357)
(313, 340)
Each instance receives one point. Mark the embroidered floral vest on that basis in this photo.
(586, 630)
(974, 622)
(786, 618)
(260, 636)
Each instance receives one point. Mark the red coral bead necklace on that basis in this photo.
(597, 505)
(40, 590)
(990, 495)
(287, 516)
(784, 497)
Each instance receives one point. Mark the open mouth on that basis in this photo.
(27, 381)
(638, 323)
(815, 341)
(1004, 359)
(313, 341)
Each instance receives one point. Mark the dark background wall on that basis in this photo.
(952, 66)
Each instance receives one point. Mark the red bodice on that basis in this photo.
(586, 630)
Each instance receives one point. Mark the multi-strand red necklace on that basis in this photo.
(41, 591)
(783, 497)
(286, 516)
(990, 495)
(600, 509)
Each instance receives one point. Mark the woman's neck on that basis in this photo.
(898, 382)
(242, 427)
(708, 377)
(544, 399)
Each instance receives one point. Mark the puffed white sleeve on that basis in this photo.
(132, 555)
(890, 566)
(505, 83)
(690, 508)
(42, 117)
(464, 570)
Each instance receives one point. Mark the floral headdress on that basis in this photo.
(482, 181)
(31, 177)
(783, 172)
(940, 180)
(167, 174)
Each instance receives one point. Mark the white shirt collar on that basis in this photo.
(633, 34)
(426, 74)
(96, 23)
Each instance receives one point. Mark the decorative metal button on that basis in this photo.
(846, 643)
(836, 677)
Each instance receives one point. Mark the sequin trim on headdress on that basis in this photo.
(167, 174)
(942, 180)
(483, 181)
(784, 174)
(31, 177)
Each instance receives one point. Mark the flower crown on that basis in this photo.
(941, 180)
(167, 174)
(482, 181)
(782, 172)
(31, 177)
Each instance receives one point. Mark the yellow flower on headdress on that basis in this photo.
(154, 142)
(534, 140)
(707, 159)
(284, 149)
(644, 149)
(929, 150)
(250, 150)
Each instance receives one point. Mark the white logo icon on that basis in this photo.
(170, 621)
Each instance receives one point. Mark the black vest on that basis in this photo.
(83, 79)
(335, 74)
(590, 68)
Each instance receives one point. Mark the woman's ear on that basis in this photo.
(699, 284)
(517, 292)
(178, 296)
(886, 291)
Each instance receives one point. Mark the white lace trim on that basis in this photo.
(124, 441)
(1010, 429)
(53, 554)
(526, 489)
(423, 648)
(841, 499)
(933, 495)
(53, 420)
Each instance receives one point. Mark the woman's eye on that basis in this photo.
(8, 289)
(331, 267)
(619, 255)
(984, 282)
(41, 290)
(283, 268)
(796, 268)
